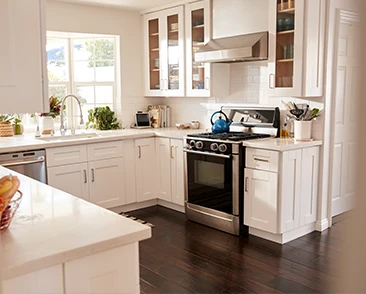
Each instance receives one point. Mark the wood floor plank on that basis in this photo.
(186, 257)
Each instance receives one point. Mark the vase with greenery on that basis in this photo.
(17, 124)
(102, 118)
(46, 118)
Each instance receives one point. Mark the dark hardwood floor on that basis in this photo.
(186, 257)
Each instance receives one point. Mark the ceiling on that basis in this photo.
(125, 4)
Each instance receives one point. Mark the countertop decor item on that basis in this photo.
(6, 128)
(9, 199)
(17, 125)
(55, 107)
(102, 118)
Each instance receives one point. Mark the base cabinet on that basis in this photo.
(112, 271)
(170, 167)
(145, 169)
(101, 180)
(280, 200)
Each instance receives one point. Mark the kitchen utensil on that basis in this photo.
(297, 112)
(220, 125)
(305, 113)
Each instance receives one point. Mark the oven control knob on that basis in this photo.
(222, 147)
(214, 147)
(192, 143)
(199, 145)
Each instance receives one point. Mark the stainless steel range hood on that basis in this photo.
(249, 47)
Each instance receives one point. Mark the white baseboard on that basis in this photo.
(285, 237)
(322, 225)
(171, 205)
(134, 206)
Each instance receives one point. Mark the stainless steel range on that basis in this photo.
(214, 181)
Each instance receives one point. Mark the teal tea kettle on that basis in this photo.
(220, 125)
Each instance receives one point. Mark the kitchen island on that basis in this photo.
(58, 243)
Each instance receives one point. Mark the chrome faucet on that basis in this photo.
(62, 126)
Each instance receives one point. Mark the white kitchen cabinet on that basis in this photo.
(107, 182)
(177, 171)
(23, 72)
(145, 169)
(290, 190)
(45, 281)
(280, 204)
(100, 180)
(163, 156)
(71, 178)
(296, 48)
(164, 53)
(170, 170)
(198, 33)
(112, 271)
(260, 200)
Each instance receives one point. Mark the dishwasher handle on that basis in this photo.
(23, 162)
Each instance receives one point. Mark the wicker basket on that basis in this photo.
(6, 129)
(8, 210)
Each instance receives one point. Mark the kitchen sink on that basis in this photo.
(69, 137)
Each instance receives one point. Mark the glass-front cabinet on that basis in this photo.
(296, 47)
(198, 32)
(164, 53)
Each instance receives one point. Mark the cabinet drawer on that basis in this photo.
(105, 150)
(262, 159)
(66, 155)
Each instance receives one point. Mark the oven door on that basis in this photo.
(209, 180)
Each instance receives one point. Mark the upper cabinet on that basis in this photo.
(164, 53)
(296, 47)
(23, 73)
(171, 37)
(198, 33)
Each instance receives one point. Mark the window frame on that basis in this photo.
(72, 84)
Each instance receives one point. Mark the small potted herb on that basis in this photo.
(46, 118)
(18, 126)
(102, 118)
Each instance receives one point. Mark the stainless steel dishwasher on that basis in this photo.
(30, 163)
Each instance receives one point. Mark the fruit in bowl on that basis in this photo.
(8, 203)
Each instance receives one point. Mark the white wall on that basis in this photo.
(66, 17)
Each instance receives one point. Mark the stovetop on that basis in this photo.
(230, 136)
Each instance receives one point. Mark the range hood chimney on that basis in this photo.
(241, 48)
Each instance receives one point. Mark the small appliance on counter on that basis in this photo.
(214, 194)
(142, 120)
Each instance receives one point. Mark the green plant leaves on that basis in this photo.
(102, 118)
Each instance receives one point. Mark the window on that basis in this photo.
(84, 65)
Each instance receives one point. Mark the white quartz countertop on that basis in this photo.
(279, 144)
(52, 227)
(29, 142)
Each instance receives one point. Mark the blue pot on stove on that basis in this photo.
(220, 125)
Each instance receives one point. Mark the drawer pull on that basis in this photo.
(171, 152)
(93, 175)
(85, 179)
(139, 151)
(246, 184)
(259, 159)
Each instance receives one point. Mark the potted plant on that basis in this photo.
(17, 125)
(102, 118)
(46, 118)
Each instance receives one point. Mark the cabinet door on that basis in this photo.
(45, 281)
(112, 271)
(198, 33)
(163, 155)
(260, 200)
(173, 52)
(129, 170)
(309, 185)
(314, 42)
(177, 171)
(290, 190)
(71, 178)
(107, 182)
(285, 60)
(22, 54)
(145, 169)
(153, 61)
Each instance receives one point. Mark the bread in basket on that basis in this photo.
(9, 199)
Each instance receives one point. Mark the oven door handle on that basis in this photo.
(207, 153)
